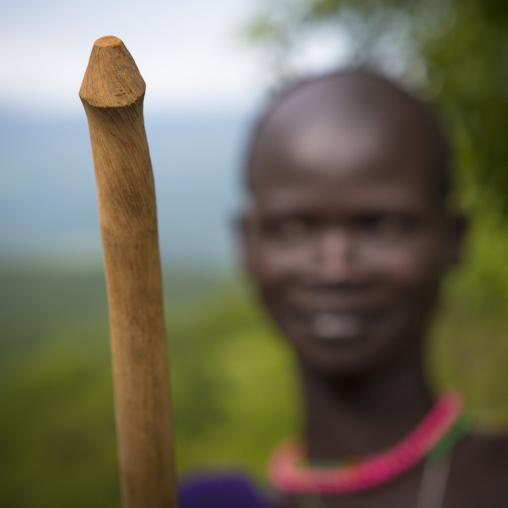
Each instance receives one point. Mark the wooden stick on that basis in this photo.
(112, 94)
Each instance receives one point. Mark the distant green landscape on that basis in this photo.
(232, 382)
(57, 436)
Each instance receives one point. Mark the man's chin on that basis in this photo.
(337, 360)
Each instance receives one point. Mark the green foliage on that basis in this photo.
(57, 436)
(232, 378)
(233, 399)
(57, 445)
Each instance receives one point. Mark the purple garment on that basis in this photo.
(227, 490)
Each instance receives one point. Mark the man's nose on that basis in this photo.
(337, 258)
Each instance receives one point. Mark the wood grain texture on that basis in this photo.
(112, 94)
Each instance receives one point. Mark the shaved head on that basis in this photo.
(343, 114)
(347, 234)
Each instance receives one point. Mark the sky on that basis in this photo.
(191, 53)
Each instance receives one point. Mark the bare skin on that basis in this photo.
(347, 239)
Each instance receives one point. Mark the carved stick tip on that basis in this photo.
(108, 40)
(112, 79)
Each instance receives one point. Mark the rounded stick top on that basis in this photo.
(112, 79)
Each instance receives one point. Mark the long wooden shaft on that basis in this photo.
(112, 94)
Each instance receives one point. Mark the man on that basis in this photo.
(347, 237)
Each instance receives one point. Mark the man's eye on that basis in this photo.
(292, 230)
(387, 227)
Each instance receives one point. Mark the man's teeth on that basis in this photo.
(336, 326)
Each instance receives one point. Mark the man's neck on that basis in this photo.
(359, 415)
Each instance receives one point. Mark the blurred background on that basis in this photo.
(209, 66)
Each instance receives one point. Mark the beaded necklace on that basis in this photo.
(432, 438)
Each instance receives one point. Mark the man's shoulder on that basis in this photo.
(479, 473)
(490, 449)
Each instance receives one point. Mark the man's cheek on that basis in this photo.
(274, 267)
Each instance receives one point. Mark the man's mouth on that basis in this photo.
(337, 325)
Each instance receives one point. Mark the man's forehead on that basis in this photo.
(359, 187)
(344, 117)
(346, 101)
(308, 144)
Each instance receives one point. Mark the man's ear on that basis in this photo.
(457, 229)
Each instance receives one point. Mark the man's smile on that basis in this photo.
(337, 326)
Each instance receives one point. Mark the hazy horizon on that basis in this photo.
(48, 205)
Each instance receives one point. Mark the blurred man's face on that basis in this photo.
(347, 241)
